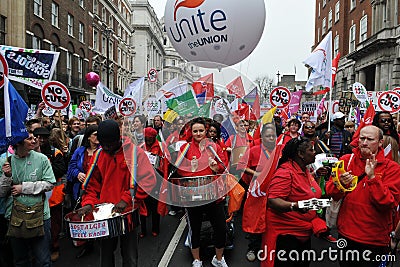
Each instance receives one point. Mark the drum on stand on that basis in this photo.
(88, 228)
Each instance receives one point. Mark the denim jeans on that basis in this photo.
(38, 246)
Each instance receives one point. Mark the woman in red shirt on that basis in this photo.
(290, 228)
(199, 161)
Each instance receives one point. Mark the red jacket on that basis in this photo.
(110, 181)
(366, 213)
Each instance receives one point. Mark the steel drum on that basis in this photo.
(88, 228)
(186, 190)
(236, 154)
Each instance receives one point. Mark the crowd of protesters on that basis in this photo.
(270, 212)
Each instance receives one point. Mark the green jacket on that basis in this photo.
(35, 174)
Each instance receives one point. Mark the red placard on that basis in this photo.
(127, 106)
(85, 106)
(56, 95)
(152, 75)
(389, 101)
(280, 97)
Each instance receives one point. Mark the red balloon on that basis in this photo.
(92, 79)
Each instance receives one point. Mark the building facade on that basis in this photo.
(366, 33)
(111, 50)
(148, 44)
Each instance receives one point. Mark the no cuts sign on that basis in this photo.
(3, 69)
(85, 106)
(56, 95)
(389, 101)
(280, 97)
(127, 107)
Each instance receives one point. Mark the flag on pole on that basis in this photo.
(135, 90)
(170, 90)
(227, 128)
(204, 110)
(367, 120)
(267, 118)
(320, 61)
(204, 84)
(184, 104)
(236, 87)
(105, 99)
(253, 99)
(12, 126)
(201, 98)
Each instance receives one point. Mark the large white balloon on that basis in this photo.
(214, 33)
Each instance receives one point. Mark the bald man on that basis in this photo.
(366, 215)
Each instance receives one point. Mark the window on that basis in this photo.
(95, 40)
(336, 45)
(363, 28)
(330, 19)
(69, 67)
(80, 71)
(319, 9)
(3, 30)
(54, 14)
(104, 14)
(81, 4)
(323, 26)
(173, 62)
(95, 6)
(323, 3)
(119, 56)
(352, 4)
(36, 42)
(111, 51)
(111, 22)
(337, 11)
(81, 32)
(70, 25)
(352, 39)
(104, 45)
(37, 8)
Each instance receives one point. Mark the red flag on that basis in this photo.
(236, 87)
(335, 64)
(253, 99)
(205, 83)
(324, 91)
(243, 112)
(257, 196)
(367, 120)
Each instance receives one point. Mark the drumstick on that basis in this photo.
(83, 216)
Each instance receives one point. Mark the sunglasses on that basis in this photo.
(309, 127)
(385, 120)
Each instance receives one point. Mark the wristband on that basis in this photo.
(292, 206)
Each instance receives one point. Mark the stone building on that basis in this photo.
(366, 33)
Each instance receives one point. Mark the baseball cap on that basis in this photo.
(338, 115)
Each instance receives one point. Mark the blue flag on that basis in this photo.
(12, 126)
(201, 98)
(227, 128)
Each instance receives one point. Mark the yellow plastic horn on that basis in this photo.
(337, 170)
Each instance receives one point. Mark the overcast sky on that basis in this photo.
(286, 41)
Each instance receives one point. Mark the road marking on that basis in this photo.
(169, 252)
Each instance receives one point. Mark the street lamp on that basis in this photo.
(107, 31)
(278, 74)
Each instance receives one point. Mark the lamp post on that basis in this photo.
(107, 32)
(278, 74)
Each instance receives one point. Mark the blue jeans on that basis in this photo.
(38, 246)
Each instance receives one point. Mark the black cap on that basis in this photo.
(108, 131)
(41, 131)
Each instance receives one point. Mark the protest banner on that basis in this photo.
(30, 66)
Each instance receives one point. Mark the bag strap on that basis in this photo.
(91, 169)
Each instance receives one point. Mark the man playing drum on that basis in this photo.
(111, 183)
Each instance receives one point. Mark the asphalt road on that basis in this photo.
(168, 249)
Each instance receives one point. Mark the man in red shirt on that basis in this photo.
(365, 217)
